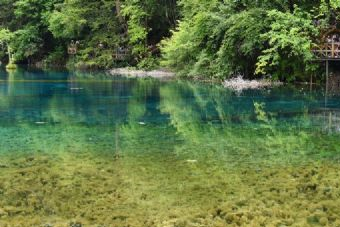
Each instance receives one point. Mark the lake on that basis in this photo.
(94, 150)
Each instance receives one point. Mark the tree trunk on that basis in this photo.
(291, 6)
(9, 54)
(118, 8)
(119, 15)
(118, 11)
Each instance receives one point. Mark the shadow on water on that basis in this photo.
(110, 151)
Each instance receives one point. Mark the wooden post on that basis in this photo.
(327, 75)
(333, 48)
(311, 82)
(327, 72)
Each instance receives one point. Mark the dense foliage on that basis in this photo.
(192, 37)
(252, 38)
(42, 30)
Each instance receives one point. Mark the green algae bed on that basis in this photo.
(76, 150)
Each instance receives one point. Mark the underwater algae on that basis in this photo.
(157, 191)
(70, 182)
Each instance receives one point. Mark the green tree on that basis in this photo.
(252, 38)
(67, 20)
(289, 44)
(5, 38)
(148, 23)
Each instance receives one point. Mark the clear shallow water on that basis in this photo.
(104, 151)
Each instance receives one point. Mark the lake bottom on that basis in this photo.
(82, 189)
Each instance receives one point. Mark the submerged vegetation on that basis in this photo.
(191, 37)
(147, 153)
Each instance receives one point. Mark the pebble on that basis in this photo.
(48, 225)
(40, 122)
(75, 224)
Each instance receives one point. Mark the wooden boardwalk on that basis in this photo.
(328, 45)
(329, 51)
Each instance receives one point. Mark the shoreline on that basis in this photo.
(158, 74)
(240, 84)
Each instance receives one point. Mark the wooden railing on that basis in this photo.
(329, 50)
(121, 54)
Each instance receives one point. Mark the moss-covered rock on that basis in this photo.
(11, 66)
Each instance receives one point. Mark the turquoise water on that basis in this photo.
(110, 151)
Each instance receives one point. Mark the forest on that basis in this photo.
(194, 38)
